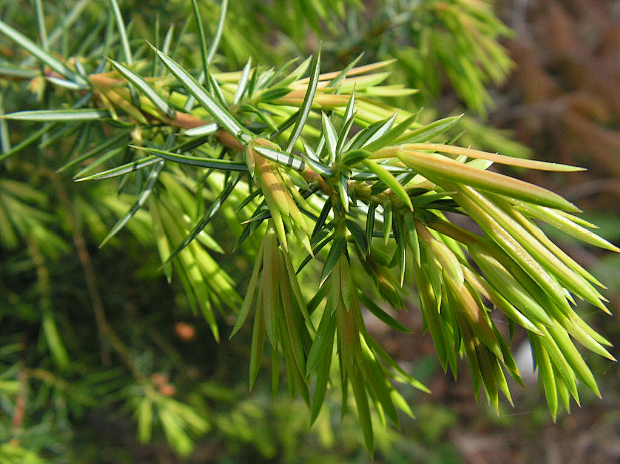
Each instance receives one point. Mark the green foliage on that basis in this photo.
(431, 39)
(339, 200)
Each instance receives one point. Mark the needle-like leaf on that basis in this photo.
(429, 131)
(390, 181)
(285, 159)
(58, 115)
(207, 216)
(144, 196)
(122, 31)
(220, 114)
(221, 164)
(439, 168)
(304, 110)
(496, 158)
(141, 84)
(207, 129)
(40, 54)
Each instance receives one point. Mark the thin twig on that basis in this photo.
(89, 273)
(105, 328)
(20, 403)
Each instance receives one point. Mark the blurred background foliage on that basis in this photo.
(95, 346)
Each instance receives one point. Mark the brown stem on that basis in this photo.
(105, 328)
(89, 273)
(20, 402)
(228, 140)
(188, 121)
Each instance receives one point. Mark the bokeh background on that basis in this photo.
(546, 83)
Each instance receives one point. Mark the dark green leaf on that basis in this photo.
(335, 252)
(201, 40)
(387, 222)
(213, 163)
(122, 170)
(359, 236)
(380, 313)
(217, 90)
(144, 195)
(43, 56)
(370, 224)
(228, 122)
(273, 94)
(354, 157)
(102, 159)
(327, 207)
(95, 151)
